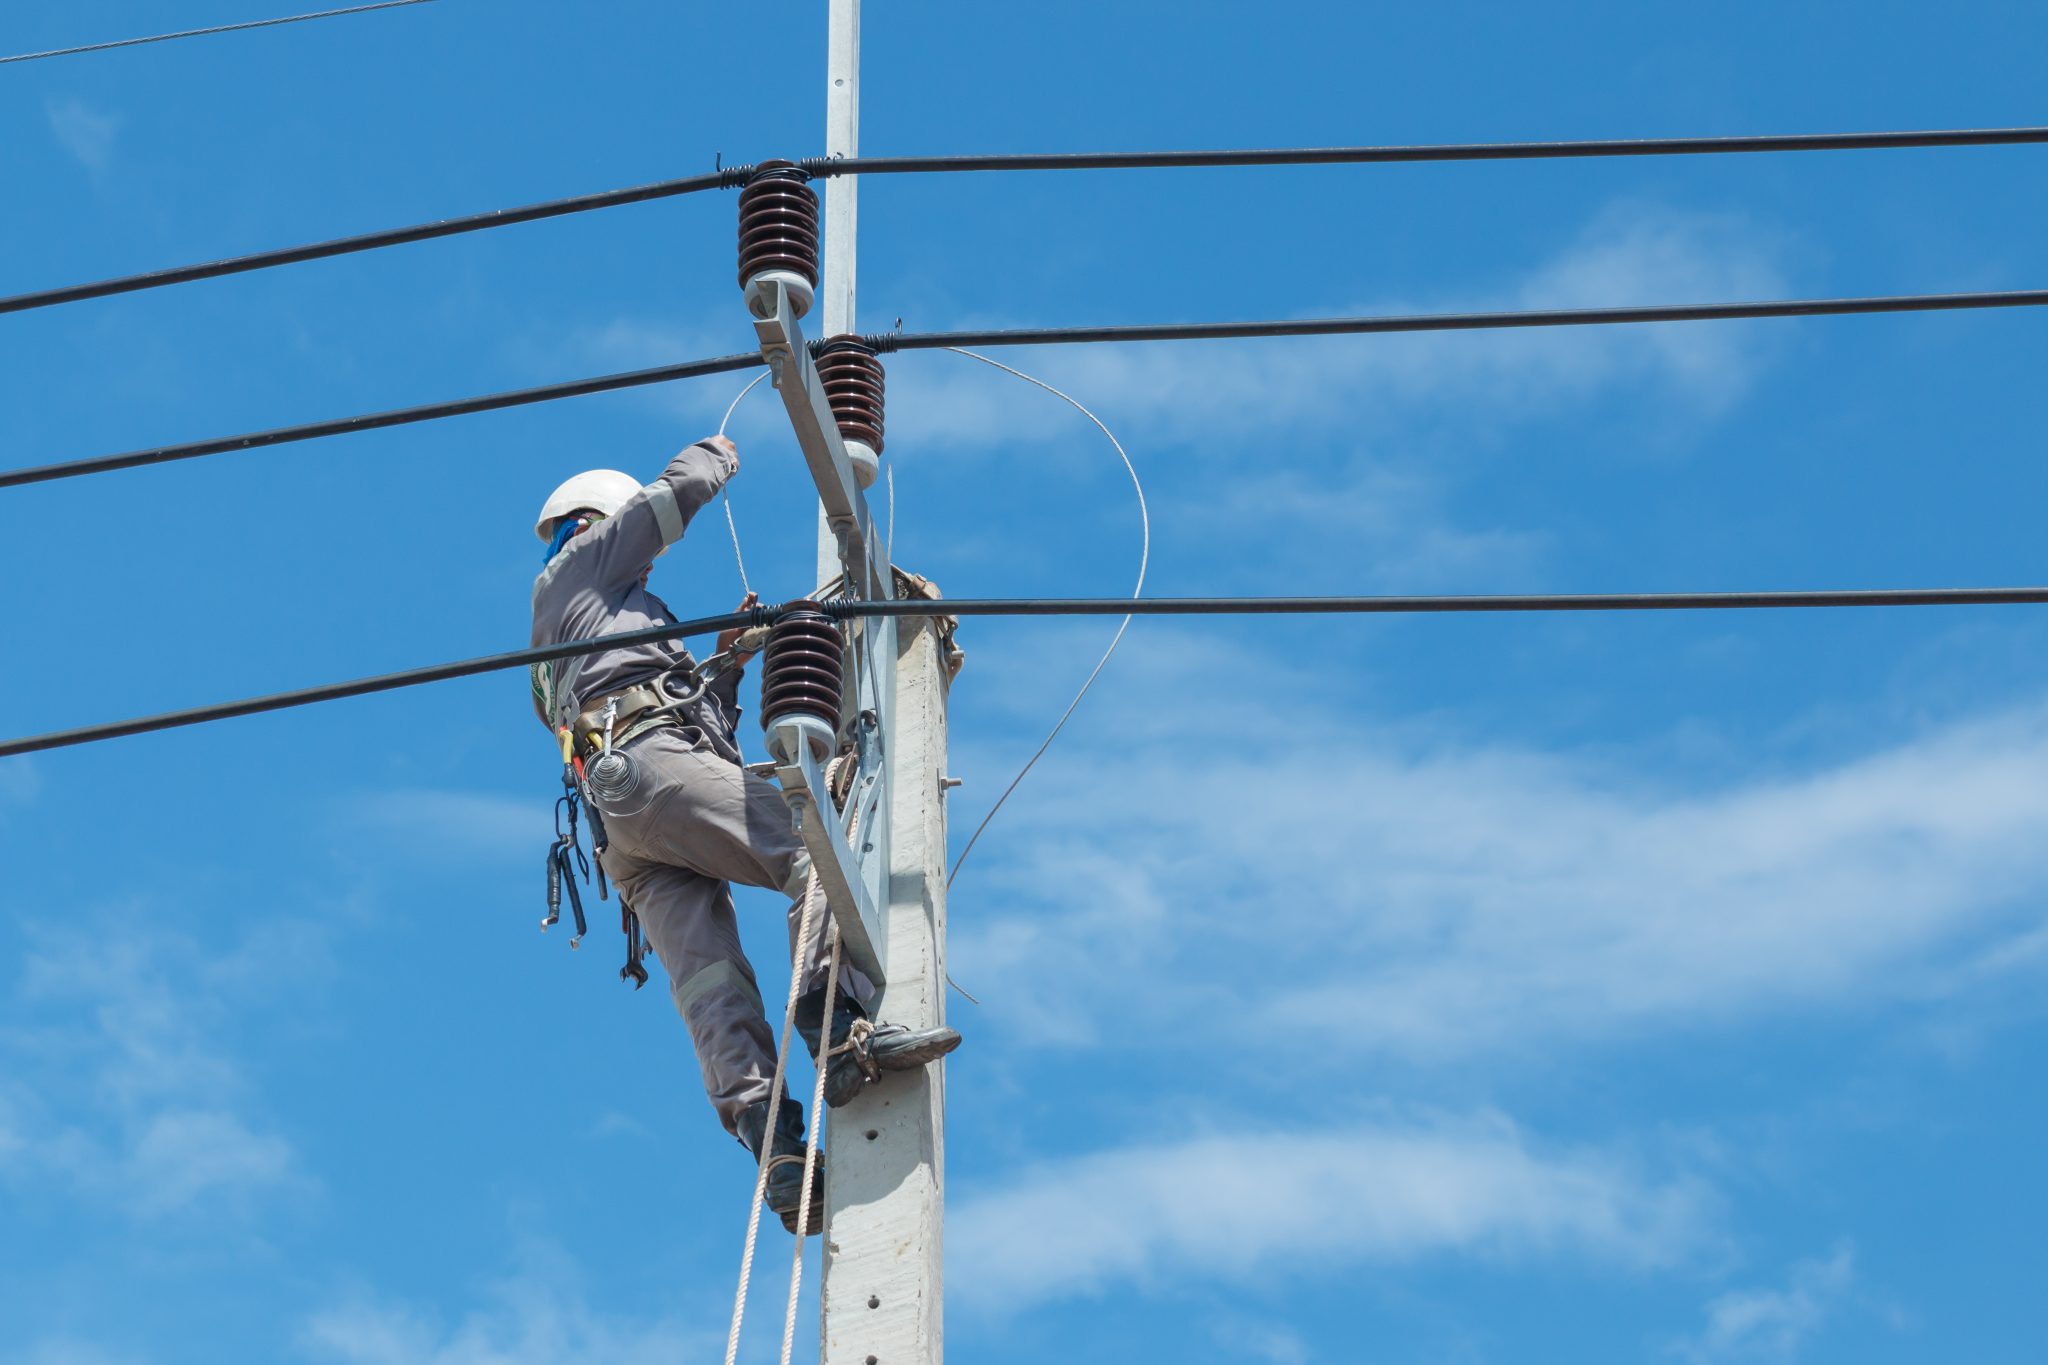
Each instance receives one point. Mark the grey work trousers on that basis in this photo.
(694, 823)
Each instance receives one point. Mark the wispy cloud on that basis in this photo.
(118, 1080)
(538, 1315)
(83, 130)
(1775, 1324)
(1227, 1206)
(1209, 393)
(1426, 898)
(66, 1351)
(465, 821)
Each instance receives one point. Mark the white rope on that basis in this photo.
(725, 493)
(803, 1217)
(812, 895)
(1144, 558)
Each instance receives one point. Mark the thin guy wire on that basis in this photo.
(1144, 560)
(204, 32)
(725, 492)
(733, 176)
(1198, 331)
(1097, 606)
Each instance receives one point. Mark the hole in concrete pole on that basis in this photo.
(874, 1302)
(872, 1134)
(874, 1360)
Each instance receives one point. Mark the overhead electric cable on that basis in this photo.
(383, 682)
(732, 177)
(372, 421)
(1050, 606)
(1458, 322)
(205, 32)
(1047, 336)
(370, 241)
(1425, 152)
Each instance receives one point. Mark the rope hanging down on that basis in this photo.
(1111, 606)
(1144, 560)
(1048, 336)
(813, 896)
(732, 177)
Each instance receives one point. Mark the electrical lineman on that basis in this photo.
(648, 733)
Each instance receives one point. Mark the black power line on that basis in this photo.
(917, 341)
(1423, 152)
(734, 176)
(383, 682)
(1460, 322)
(371, 421)
(370, 241)
(1098, 606)
(204, 32)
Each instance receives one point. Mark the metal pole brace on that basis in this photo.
(836, 865)
(795, 376)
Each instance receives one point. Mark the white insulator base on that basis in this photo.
(760, 293)
(785, 733)
(866, 464)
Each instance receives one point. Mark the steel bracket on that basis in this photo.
(795, 376)
(836, 865)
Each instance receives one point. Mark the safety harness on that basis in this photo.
(606, 725)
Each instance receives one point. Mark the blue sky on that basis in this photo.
(1459, 990)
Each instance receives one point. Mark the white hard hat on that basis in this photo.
(601, 490)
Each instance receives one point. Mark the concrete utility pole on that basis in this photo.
(882, 1291)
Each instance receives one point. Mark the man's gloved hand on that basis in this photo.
(727, 454)
(729, 639)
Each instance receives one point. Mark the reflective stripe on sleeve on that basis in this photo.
(667, 514)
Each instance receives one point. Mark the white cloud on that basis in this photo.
(1213, 393)
(84, 131)
(469, 822)
(1774, 1324)
(181, 1157)
(1374, 528)
(67, 1351)
(115, 1077)
(537, 1316)
(611, 1124)
(1270, 1341)
(1428, 899)
(1229, 1206)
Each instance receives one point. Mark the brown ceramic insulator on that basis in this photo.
(853, 386)
(802, 668)
(778, 223)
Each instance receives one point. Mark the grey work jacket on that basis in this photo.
(592, 587)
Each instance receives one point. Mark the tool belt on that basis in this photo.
(634, 705)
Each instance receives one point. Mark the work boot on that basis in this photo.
(785, 1189)
(863, 1050)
